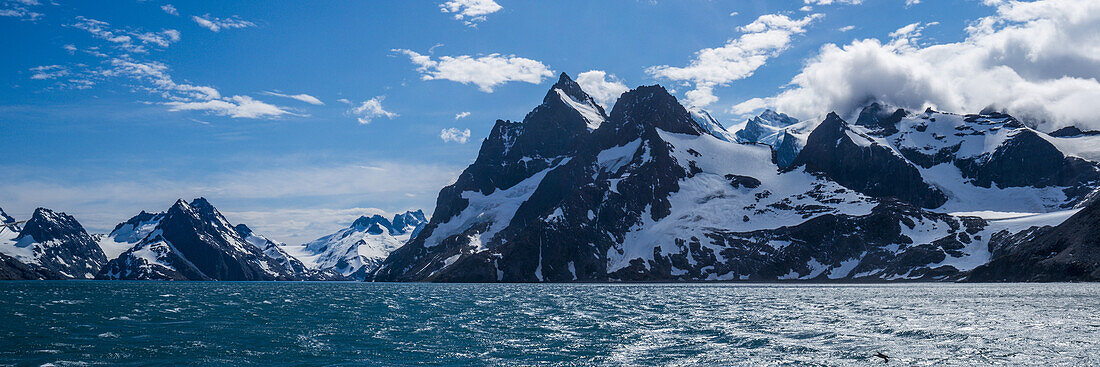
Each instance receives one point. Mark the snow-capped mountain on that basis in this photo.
(784, 134)
(356, 251)
(764, 129)
(50, 245)
(193, 241)
(653, 193)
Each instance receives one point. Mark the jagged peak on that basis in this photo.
(46, 225)
(5, 218)
(653, 104)
(366, 222)
(243, 230)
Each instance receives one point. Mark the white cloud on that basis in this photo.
(49, 72)
(760, 40)
(218, 24)
(911, 2)
(846, 28)
(235, 107)
(455, 135)
(486, 72)
(70, 47)
(20, 9)
(470, 12)
(124, 38)
(604, 88)
(830, 2)
(168, 8)
(461, 115)
(806, 8)
(301, 97)
(156, 75)
(371, 109)
(1038, 60)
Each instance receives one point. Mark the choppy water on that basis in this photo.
(206, 323)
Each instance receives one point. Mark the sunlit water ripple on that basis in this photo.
(209, 323)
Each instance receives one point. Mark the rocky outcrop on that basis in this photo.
(1067, 252)
(859, 163)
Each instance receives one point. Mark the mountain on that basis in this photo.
(50, 245)
(711, 125)
(854, 160)
(764, 129)
(978, 162)
(652, 194)
(356, 251)
(193, 241)
(1069, 251)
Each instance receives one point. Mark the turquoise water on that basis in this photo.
(264, 324)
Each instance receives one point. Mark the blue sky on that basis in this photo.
(108, 108)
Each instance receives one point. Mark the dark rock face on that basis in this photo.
(61, 245)
(1067, 252)
(866, 167)
(880, 119)
(585, 198)
(194, 242)
(5, 218)
(1026, 159)
(1072, 131)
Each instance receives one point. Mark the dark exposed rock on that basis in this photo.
(880, 119)
(1026, 159)
(1067, 252)
(869, 168)
(1072, 131)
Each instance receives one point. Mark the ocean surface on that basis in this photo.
(271, 324)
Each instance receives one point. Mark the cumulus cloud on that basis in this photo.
(371, 109)
(486, 72)
(453, 134)
(1039, 61)
(604, 88)
(168, 8)
(235, 107)
(218, 24)
(760, 40)
(470, 12)
(189, 97)
(461, 115)
(301, 97)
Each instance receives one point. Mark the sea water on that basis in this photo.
(317, 323)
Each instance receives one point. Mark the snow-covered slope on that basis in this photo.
(356, 251)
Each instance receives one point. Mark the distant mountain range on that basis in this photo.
(654, 191)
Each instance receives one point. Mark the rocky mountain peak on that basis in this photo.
(5, 218)
(881, 118)
(652, 106)
(46, 225)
